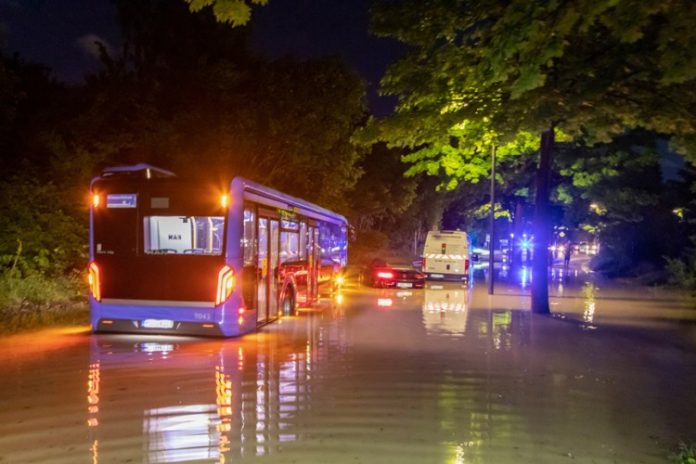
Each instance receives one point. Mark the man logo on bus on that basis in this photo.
(174, 236)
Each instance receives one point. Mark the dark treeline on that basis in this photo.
(184, 93)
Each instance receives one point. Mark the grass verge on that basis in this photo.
(35, 300)
(685, 454)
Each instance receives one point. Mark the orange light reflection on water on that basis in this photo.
(26, 346)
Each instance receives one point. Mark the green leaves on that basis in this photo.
(489, 71)
(234, 12)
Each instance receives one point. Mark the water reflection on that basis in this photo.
(448, 374)
(445, 309)
(589, 305)
(200, 401)
(525, 276)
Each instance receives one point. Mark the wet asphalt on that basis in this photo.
(448, 374)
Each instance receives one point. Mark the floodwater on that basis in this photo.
(441, 375)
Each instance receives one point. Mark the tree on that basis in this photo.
(587, 70)
(236, 12)
(382, 194)
(187, 94)
(40, 197)
(617, 190)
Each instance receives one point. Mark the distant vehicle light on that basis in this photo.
(385, 275)
(224, 200)
(96, 200)
(340, 280)
(241, 310)
(225, 284)
(94, 281)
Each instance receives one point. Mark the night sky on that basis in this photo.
(60, 34)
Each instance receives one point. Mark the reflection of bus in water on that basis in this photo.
(216, 401)
(174, 256)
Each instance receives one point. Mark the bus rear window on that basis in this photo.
(188, 235)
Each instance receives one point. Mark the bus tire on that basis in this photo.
(288, 304)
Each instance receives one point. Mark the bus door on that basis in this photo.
(262, 272)
(312, 268)
(274, 263)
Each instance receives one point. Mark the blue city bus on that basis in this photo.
(175, 256)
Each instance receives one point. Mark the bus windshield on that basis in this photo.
(188, 235)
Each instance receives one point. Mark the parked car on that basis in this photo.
(382, 274)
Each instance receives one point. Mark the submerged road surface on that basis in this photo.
(442, 375)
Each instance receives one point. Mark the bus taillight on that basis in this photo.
(225, 284)
(94, 281)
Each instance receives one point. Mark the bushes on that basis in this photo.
(685, 454)
(35, 299)
(19, 291)
(42, 254)
(40, 228)
(367, 245)
(682, 272)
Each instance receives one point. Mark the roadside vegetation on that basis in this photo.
(35, 300)
(682, 272)
(685, 454)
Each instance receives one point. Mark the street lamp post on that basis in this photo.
(491, 242)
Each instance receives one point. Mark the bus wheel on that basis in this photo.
(288, 304)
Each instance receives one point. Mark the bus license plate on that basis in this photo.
(158, 324)
(404, 284)
(437, 276)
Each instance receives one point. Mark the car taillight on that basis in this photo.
(466, 264)
(423, 263)
(225, 284)
(94, 281)
(385, 275)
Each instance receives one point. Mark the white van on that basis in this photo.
(446, 255)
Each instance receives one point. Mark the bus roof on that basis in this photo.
(254, 191)
(145, 174)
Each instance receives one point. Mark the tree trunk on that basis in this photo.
(542, 227)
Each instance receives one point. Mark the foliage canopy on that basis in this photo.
(483, 72)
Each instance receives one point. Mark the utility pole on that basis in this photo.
(491, 242)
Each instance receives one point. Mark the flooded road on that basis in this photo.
(441, 375)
